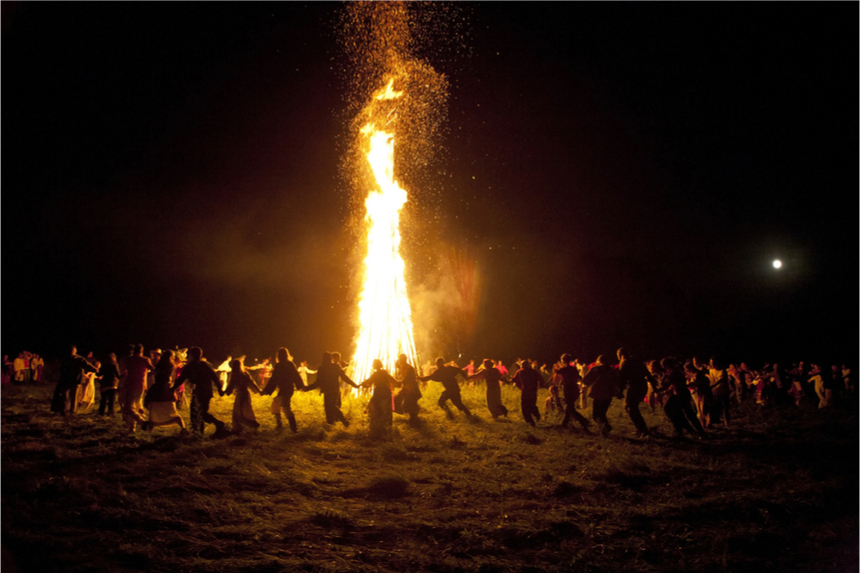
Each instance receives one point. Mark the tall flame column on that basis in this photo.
(384, 312)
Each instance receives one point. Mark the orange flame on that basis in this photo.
(384, 313)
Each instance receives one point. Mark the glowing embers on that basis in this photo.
(384, 313)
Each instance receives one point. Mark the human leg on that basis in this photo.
(631, 405)
(598, 414)
(528, 410)
(690, 414)
(457, 400)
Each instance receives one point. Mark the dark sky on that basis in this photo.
(612, 174)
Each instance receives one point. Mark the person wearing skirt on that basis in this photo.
(492, 377)
(160, 399)
(87, 390)
(381, 404)
(242, 383)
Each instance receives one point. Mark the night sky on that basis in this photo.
(611, 175)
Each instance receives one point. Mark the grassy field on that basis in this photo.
(777, 491)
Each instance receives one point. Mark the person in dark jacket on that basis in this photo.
(72, 370)
(406, 400)
(202, 376)
(160, 398)
(528, 380)
(677, 402)
(285, 379)
(634, 376)
(329, 376)
(570, 379)
(109, 375)
(602, 383)
(447, 375)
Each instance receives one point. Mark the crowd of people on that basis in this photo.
(25, 369)
(695, 395)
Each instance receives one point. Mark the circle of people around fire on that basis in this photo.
(695, 395)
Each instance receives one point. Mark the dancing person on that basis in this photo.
(745, 377)
(20, 367)
(72, 370)
(545, 372)
(137, 366)
(582, 367)
(265, 373)
(653, 397)
(721, 392)
(469, 368)
(305, 372)
(381, 404)
(492, 378)
(406, 400)
(847, 381)
(569, 382)
(7, 369)
(87, 389)
(285, 379)
(634, 376)
(181, 359)
(109, 376)
(37, 365)
(503, 371)
(677, 405)
(241, 382)
(602, 383)
(329, 376)
(553, 401)
(224, 372)
(528, 380)
(160, 398)
(447, 375)
(699, 386)
(203, 378)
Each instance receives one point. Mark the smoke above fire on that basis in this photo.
(396, 106)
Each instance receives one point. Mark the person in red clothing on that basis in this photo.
(137, 367)
(528, 380)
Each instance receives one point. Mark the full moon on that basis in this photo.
(777, 263)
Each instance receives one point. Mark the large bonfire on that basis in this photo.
(392, 133)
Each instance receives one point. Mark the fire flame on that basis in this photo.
(384, 313)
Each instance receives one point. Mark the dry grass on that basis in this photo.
(777, 491)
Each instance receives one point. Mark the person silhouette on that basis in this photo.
(328, 380)
(285, 379)
(447, 375)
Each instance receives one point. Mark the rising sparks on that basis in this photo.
(398, 101)
(384, 312)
